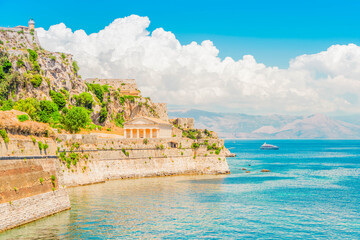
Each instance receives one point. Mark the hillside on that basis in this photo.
(46, 86)
(244, 126)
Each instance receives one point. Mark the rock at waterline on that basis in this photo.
(265, 170)
(247, 171)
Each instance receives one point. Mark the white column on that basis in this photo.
(151, 133)
(137, 133)
(131, 133)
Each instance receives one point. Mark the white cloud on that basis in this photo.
(194, 76)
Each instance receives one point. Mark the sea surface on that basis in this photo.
(312, 192)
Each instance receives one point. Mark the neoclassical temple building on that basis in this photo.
(146, 127)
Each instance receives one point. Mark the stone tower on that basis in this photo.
(31, 24)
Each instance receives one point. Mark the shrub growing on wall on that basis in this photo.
(195, 145)
(4, 135)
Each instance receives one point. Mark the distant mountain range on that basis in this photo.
(235, 125)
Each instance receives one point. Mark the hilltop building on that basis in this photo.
(185, 123)
(31, 24)
(31, 27)
(125, 86)
(146, 127)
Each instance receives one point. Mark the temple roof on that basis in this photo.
(146, 120)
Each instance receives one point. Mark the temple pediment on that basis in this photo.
(140, 121)
(146, 121)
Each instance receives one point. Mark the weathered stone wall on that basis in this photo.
(106, 168)
(110, 158)
(184, 123)
(24, 146)
(24, 210)
(27, 190)
(161, 110)
(24, 198)
(21, 178)
(123, 84)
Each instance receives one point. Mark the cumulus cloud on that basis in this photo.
(194, 76)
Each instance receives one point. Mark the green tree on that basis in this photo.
(49, 111)
(7, 105)
(75, 67)
(97, 90)
(58, 99)
(6, 66)
(85, 99)
(36, 80)
(31, 106)
(2, 74)
(20, 63)
(103, 115)
(119, 120)
(32, 55)
(36, 67)
(76, 118)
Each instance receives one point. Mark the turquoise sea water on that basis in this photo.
(312, 192)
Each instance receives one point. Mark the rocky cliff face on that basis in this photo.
(56, 69)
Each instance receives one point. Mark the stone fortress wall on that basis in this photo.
(27, 190)
(161, 109)
(126, 86)
(107, 158)
(24, 197)
(185, 123)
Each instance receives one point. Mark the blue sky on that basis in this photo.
(272, 31)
